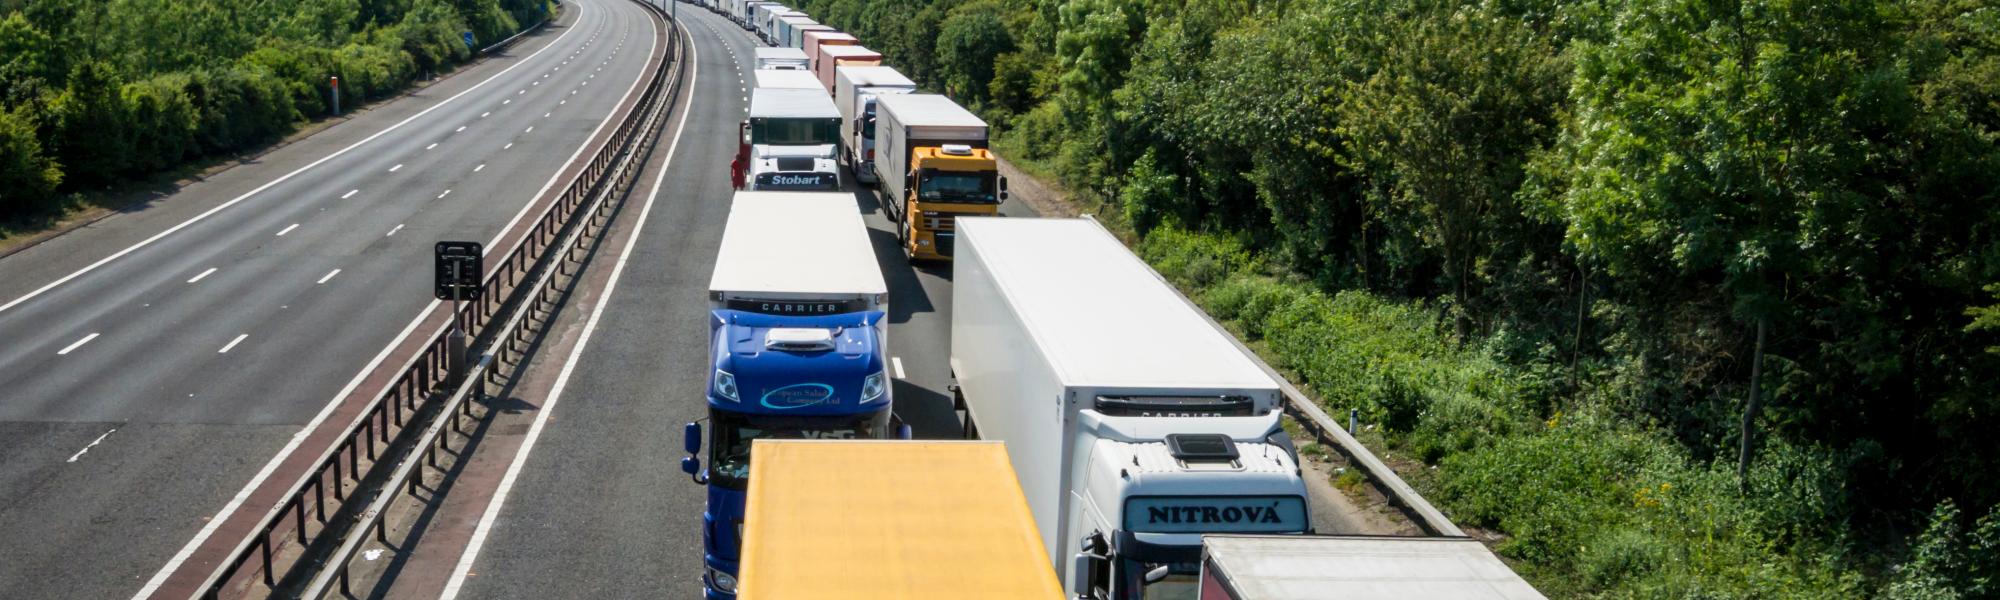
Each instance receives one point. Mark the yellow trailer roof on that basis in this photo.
(889, 519)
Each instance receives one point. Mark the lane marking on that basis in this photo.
(232, 343)
(433, 145)
(92, 444)
(531, 129)
(329, 275)
(507, 101)
(399, 227)
(460, 128)
(509, 145)
(286, 230)
(897, 361)
(202, 275)
(160, 577)
(485, 114)
(77, 344)
(349, 194)
(446, 193)
(499, 499)
(398, 166)
(482, 166)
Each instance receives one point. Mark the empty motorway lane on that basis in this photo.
(156, 362)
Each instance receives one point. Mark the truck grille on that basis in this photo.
(941, 222)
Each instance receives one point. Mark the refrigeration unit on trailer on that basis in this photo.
(1311, 567)
(1135, 425)
(937, 520)
(932, 162)
(796, 349)
(787, 59)
(854, 93)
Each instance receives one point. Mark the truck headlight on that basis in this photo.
(723, 582)
(872, 387)
(725, 384)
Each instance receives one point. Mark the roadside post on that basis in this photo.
(457, 268)
(336, 94)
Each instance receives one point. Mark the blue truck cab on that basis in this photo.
(796, 350)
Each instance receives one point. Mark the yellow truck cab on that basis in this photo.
(886, 520)
(931, 156)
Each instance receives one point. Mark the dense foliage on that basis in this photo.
(94, 92)
(1535, 241)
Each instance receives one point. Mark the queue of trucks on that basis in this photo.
(1129, 428)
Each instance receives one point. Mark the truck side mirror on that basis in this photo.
(691, 438)
(1003, 189)
(1079, 569)
(1158, 573)
(692, 466)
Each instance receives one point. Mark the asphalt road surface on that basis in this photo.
(155, 361)
(599, 507)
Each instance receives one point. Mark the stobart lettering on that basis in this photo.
(1213, 514)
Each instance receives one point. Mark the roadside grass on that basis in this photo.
(1589, 504)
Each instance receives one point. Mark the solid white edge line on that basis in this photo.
(77, 344)
(232, 343)
(203, 275)
(208, 529)
(328, 277)
(281, 179)
(499, 499)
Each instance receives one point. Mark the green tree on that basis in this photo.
(28, 178)
(969, 42)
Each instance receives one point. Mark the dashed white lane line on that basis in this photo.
(349, 194)
(485, 114)
(433, 145)
(482, 166)
(565, 101)
(232, 343)
(394, 168)
(507, 101)
(446, 193)
(460, 128)
(509, 145)
(546, 114)
(456, 581)
(76, 344)
(531, 129)
(520, 92)
(399, 227)
(897, 361)
(535, 83)
(288, 229)
(92, 444)
(202, 275)
(328, 277)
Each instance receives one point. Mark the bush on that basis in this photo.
(28, 178)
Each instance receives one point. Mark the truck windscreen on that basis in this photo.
(954, 186)
(729, 459)
(795, 132)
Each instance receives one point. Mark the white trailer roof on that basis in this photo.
(792, 103)
(928, 110)
(1102, 317)
(1362, 568)
(787, 79)
(796, 243)
(780, 54)
(849, 52)
(875, 76)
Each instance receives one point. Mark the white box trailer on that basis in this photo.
(854, 92)
(783, 35)
(906, 122)
(786, 79)
(796, 246)
(745, 13)
(767, 22)
(1135, 425)
(1294, 567)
